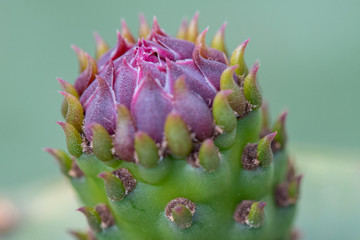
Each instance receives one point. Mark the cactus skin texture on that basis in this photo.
(168, 139)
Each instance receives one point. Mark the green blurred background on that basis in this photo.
(309, 53)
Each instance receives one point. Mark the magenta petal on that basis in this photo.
(182, 48)
(193, 77)
(108, 74)
(120, 48)
(101, 109)
(148, 68)
(194, 112)
(156, 28)
(125, 83)
(84, 78)
(160, 51)
(150, 107)
(212, 70)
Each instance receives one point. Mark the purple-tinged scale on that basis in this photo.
(101, 109)
(150, 106)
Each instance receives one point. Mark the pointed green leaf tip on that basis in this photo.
(236, 99)
(101, 46)
(177, 136)
(69, 88)
(218, 41)
(222, 112)
(279, 126)
(74, 113)
(237, 58)
(73, 139)
(63, 159)
(251, 90)
(256, 215)
(182, 216)
(192, 30)
(250, 213)
(209, 156)
(124, 134)
(114, 187)
(102, 143)
(264, 151)
(146, 150)
(92, 217)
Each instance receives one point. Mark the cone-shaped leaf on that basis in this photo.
(256, 215)
(279, 126)
(102, 143)
(209, 156)
(182, 216)
(81, 55)
(218, 41)
(87, 76)
(125, 32)
(192, 30)
(124, 134)
(222, 112)
(181, 34)
(101, 46)
(251, 90)
(63, 159)
(114, 187)
(68, 87)
(92, 217)
(264, 151)
(237, 58)
(193, 110)
(73, 139)
(236, 99)
(177, 135)
(75, 113)
(146, 150)
(144, 29)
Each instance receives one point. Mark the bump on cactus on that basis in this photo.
(168, 138)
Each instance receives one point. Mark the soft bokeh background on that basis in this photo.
(309, 53)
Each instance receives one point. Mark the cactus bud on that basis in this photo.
(264, 151)
(218, 41)
(125, 32)
(192, 30)
(236, 99)
(82, 58)
(102, 143)
(181, 212)
(222, 112)
(209, 156)
(177, 136)
(251, 90)
(92, 217)
(250, 213)
(124, 134)
(144, 29)
(63, 159)
(146, 150)
(74, 113)
(237, 58)
(101, 46)
(114, 188)
(73, 139)
(181, 34)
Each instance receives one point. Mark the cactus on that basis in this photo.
(168, 138)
